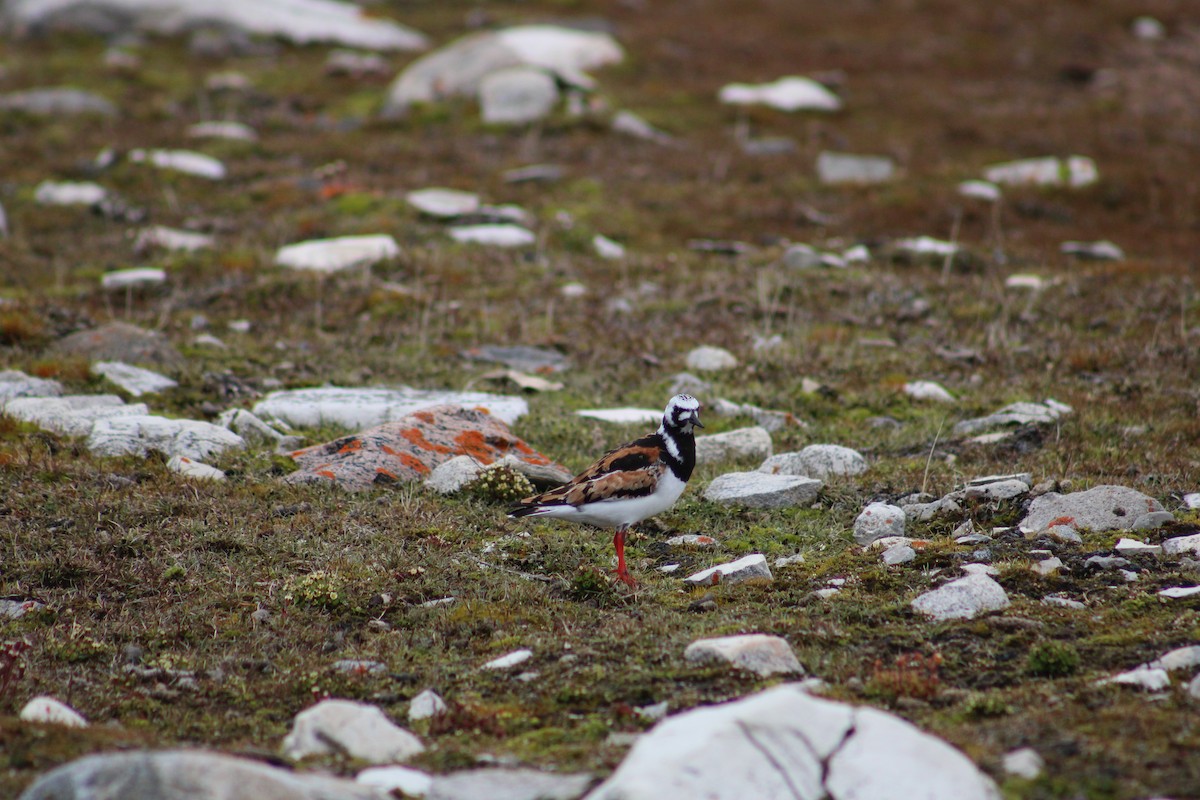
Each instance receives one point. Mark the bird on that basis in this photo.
(630, 483)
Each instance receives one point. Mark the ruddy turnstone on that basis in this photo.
(628, 484)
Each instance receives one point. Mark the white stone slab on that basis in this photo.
(186, 161)
(366, 407)
(494, 234)
(135, 380)
(335, 255)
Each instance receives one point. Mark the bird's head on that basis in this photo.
(682, 413)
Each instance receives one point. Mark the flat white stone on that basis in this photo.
(962, 599)
(848, 168)
(425, 705)
(138, 435)
(71, 415)
(1048, 566)
(996, 490)
(1182, 544)
(980, 569)
(220, 129)
(68, 193)
(1101, 508)
(1179, 658)
(692, 540)
(1103, 250)
(622, 416)
(1025, 281)
(172, 239)
(406, 780)
(14, 384)
(817, 461)
(928, 390)
(1062, 602)
(760, 653)
(898, 554)
(452, 476)
(926, 246)
(760, 490)
(298, 21)
(50, 711)
(1152, 679)
(630, 124)
(980, 190)
(607, 248)
(710, 359)
(359, 730)
(128, 278)
(742, 443)
(1075, 171)
(335, 255)
(443, 203)
(185, 161)
(790, 93)
(249, 427)
(751, 567)
(1179, 592)
(1022, 413)
(497, 235)
(196, 470)
(135, 380)
(517, 95)
(361, 408)
(1024, 763)
(877, 521)
(786, 744)
(509, 660)
(1126, 546)
(57, 101)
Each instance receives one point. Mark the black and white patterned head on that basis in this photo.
(682, 413)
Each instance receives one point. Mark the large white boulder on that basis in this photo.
(138, 435)
(358, 730)
(367, 407)
(72, 415)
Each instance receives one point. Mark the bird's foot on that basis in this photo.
(626, 578)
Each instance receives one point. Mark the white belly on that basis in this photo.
(629, 510)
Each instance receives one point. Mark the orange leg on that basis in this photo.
(622, 572)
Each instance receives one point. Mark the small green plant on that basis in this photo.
(500, 483)
(982, 706)
(174, 572)
(317, 589)
(1052, 660)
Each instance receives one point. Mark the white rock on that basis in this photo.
(962, 599)
(759, 653)
(763, 417)
(406, 780)
(980, 190)
(249, 427)
(751, 567)
(1093, 251)
(877, 521)
(1191, 500)
(138, 435)
(1179, 658)
(785, 744)
(692, 540)
(790, 93)
(1180, 592)
(1152, 679)
(847, 168)
(67, 193)
(1023, 413)
(72, 415)
(509, 660)
(787, 561)
(508, 784)
(135, 380)
(1075, 171)
(128, 278)
(994, 491)
(57, 101)
(425, 705)
(623, 416)
(1048, 566)
(517, 95)
(760, 490)
(710, 359)
(49, 711)
(1024, 763)
(222, 129)
(743, 443)
(1182, 544)
(1025, 281)
(928, 390)
(196, 470)
(926, 246)
(358, 409)
(497, 235)
(1102, 508)
(186, 161)
(980, 569)
(298, 21)
(458, 68)
(335, 255)
(443, 203)
(1148, 29)
(172, 239)
(817, 461)
(630, 124)
(1062, 602)
(1126, 546)
(358, 730)
(14, 384)
(451, 476)
(607, 248)
(898, 554)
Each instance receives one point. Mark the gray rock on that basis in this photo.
(508, 784)
(443, 203)
(687, 383)
(995, 491)
(751, 567)
(817, 461)
(359, 666)
(877, 521)
(359, 408)
(119, 341)
(760, 490)
(1048, 566)
(710, 359)
(425, 705)
(1024, 763)
(924, 512)
(172, 239)
(520, 357)
(630, 124)
(196, 470)
(743, 443)
(692, 540)
(68, 193)
(452, 476)
(839, 168)
(1062, 602)
(928, 390)
(139, 435)
(1016, 414)
(50, 711)
(357, 730)
(1152, 520)
(765, 418)
(898, 554)
(1106, 562)
(222, 129)
(517, 95)
(1103, 508)
(186, 775)
(245, 424)
(72, 415)
(399, 781)
(802, 256)
(135, 380)
(762, 654)
(1063, 534)
(785, 744)
(14, 384)
(1182, 544)
(57, 102)
(964, 598)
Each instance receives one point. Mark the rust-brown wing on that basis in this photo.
(629, 471)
